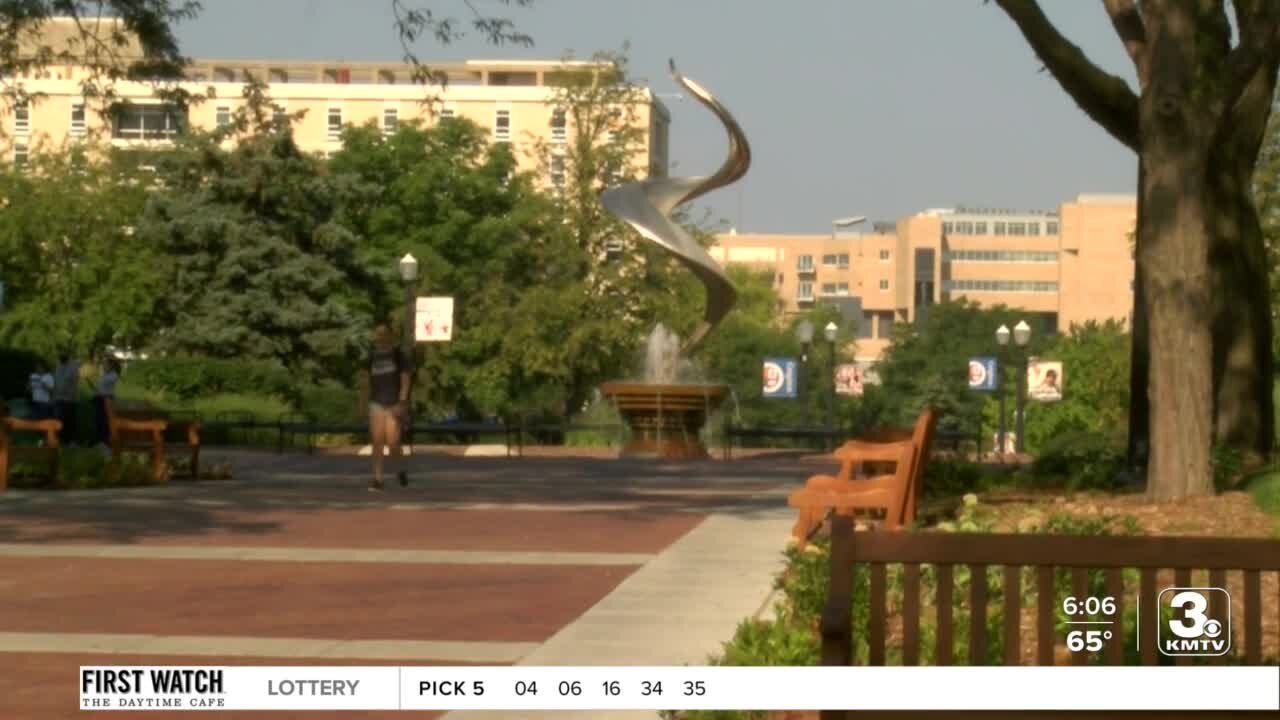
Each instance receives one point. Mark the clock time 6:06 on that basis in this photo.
(1089, 606)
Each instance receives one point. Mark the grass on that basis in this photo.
(1265, 489)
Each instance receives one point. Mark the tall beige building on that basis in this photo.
(1060, 267)
(515, 100)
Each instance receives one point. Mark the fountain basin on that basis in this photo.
(664, 419)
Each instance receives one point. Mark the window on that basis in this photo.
(1033, 228)
(884, 285)
(557, 170)
(1002, 256)
(804, 291)
(223, 116)
(335, 123)
(1017, 228)
(1001, 286)
(980, 228)
(446, 114)
(146, 122)
(884, 256)
(828, 288)
(22, 117)
(804, 263)
(390, 121)
(559, 127)
(1051, 228)
(842, 260)
(77, 119)
(20, 155)
(842, 288)
(964, 228)
(998, 228)
(502, 126)
(829, 260)
(277, 75)
(948, 228)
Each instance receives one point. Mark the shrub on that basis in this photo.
(945, 477)
(16, 367)
(187, 378)
(1084, 460)
(329, 402)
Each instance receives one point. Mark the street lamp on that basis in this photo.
(409, 274)
(1002, 339)
(829, 332)
(1021, 336)
(804, 333)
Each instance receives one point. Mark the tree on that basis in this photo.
(1196, 123)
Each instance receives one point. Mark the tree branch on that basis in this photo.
(1105, 98)
(1259, 27)
(1128, 24)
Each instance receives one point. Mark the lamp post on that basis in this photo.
(1002, 339)
(829, 332)
(804, 333)
(409, 274)
(1021, 336)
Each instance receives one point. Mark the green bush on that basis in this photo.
(16, 367)
(945, 477)
(1082, 460)
(330, 402)
(187, 378)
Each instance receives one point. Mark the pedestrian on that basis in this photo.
(385, 391)
(66, 393)
(41, 392)
(105, 391)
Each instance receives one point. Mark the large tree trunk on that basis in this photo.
(1173, 245)
(1139, 356)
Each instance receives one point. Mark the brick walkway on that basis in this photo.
(479, 561)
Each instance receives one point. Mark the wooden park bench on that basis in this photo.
(143, 431)
(49, 454)
(1046, 554)
(896, 493)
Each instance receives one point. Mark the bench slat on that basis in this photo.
(1012, 615)
(1252, 617)
(1115, 590)
(875, 635)
(1217, 578)
(911, 615)
(1148, 616)
(1080, 590)
(1181, 578)
(1046, 600)
(943, 650)
(977, 614)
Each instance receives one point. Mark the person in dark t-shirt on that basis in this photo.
(386, 392)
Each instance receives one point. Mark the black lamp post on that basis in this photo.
(804, 333)
(409, 274)
(1021, 336)
(829, 332)
(1002, 339)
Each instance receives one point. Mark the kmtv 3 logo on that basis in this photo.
(1197, 626)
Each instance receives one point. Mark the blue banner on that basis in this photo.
(780, 377)
(983, 373)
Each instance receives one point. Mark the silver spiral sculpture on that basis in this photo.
(647, 206)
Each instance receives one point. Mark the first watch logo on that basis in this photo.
(1194, 629)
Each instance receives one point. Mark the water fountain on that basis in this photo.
(666, 411)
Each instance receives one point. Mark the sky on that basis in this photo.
(879, 108)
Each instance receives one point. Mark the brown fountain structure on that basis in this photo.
(665, 416)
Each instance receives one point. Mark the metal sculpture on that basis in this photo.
(647, 206)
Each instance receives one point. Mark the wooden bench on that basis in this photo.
(143, 431)
(1078, 555)
(896, 493)
(50, 454)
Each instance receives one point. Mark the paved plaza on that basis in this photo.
(490, 561)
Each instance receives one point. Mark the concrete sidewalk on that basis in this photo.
(678, 609)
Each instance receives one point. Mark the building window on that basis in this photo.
(335, 123)
(22, 118)
(1001, 256)
(559, 127)
(390, 121)
(884, 285)
(804, 291)
(277, 75)
(146, 122)
(842, 288)
(502, 126)
(964, 228)
(884, 256)
(1032, 286)
(980, 228)
(446, 114)
(223, 117)
(829, 260)
(998, 228)
(828, 288)
(1017, 228)
(1051, 228)
(557, 170)
(1033, 228)
(948, 228)
(842, 260)
(77, 119)
(20, 156)
(804, 263)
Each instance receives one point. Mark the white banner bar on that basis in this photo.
(679, 688)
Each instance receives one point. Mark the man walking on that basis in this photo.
(66, 393)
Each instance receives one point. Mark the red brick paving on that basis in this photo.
(373, 601)
(47, 687)
(620, 532)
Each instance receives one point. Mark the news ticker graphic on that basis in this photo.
(679, 688)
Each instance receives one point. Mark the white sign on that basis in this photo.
(1044, 380)
(434, 319)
